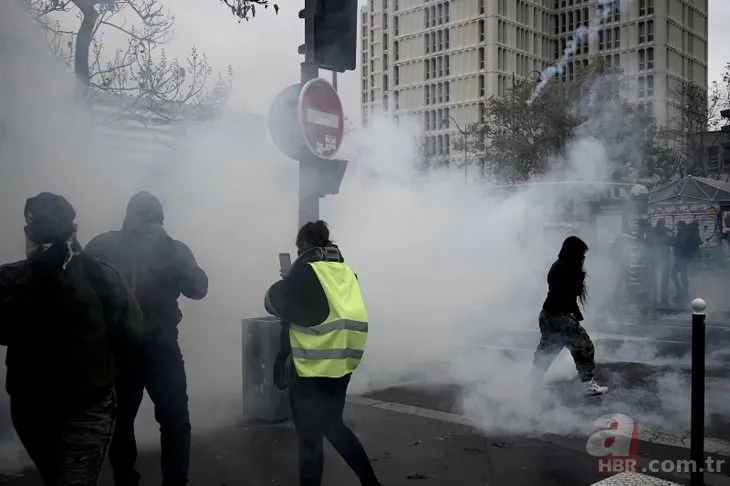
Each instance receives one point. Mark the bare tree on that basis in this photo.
(245, 9)
(686, 133)
(139, 75)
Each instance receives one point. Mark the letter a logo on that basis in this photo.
(617, 436)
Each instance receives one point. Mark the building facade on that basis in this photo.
(427, 61)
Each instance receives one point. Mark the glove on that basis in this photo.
(283, 371)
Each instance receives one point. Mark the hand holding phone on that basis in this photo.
(284, 264)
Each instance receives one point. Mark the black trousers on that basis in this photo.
(67, 444)
(160, 370)
(317, 406)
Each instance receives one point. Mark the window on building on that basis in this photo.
(385, 82)
(609, 39)
(642, 32)
(396, 75)
(385, 21)
(440, 92)
(385, 62)
(642, 8)
(440, 65)
(642, 59)
(649, 31)
(440, 37)
(617, 60)
(396, 28)
(433, 67)
(481, 6)
(385, 4)
(396, 48)
(649, 7)
(482, 112)
(446, 13)
(601, 40)
(433, 41)
(617, 38)
(396, 99)
(427, 120)
(426, 95)
(440, 118)
(447, 91)
(447, 120)
(482, 86)
(481, 58)
(426, 17)
(426, 69)
(446, 65)
(446, 38)
(481, 30)
(447, 142)
(650, 58)
(396, 5)
(440, 14)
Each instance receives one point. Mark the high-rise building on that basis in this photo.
(430, 60)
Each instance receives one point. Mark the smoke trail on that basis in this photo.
(604, 10)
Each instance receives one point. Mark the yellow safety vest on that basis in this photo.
(334, 348)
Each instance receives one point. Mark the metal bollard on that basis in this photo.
(697, 413)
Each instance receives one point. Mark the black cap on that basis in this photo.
(49, 218)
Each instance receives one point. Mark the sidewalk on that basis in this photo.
(407, 449)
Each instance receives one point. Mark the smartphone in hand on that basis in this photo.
(284, 264)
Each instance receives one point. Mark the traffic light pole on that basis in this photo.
(308, 198)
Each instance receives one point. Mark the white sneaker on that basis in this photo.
(591, 388)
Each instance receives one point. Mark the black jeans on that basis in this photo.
(67, 444)
(680, 277)
(317, 405)
(564, 331)
(160, 370)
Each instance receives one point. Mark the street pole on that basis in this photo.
(465, 164)
(697, 399)
(308, 199)
(463, 134)
(514, 131)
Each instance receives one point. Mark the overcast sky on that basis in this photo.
(263, 52)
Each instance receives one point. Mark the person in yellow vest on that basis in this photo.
(325, 322)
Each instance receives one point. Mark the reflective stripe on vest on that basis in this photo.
(334, 348)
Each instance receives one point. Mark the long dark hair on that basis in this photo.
(313, 235)
(572, 254)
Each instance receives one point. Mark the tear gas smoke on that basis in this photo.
(604, 10)
(438, 263)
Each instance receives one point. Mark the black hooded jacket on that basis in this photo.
(69, 331)
(157, 268)
(565, 279)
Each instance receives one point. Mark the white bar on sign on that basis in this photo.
(321, 118)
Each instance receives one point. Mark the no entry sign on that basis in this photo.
(321, 118)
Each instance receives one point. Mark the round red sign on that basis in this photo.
(321, 118)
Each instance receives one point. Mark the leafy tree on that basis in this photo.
(517, 141)
(139, 76)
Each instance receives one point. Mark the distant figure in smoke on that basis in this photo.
(158, 269)
(69, 323)
(661, 255)
(686, 245)
(320, 298)
(560, 316)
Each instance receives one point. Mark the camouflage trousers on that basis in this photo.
(559, 331)
(67, 445)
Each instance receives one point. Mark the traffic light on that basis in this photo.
(725, 114)
(330, 39)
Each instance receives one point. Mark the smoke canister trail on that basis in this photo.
(583, 35)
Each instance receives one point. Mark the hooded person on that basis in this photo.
(158, 270)
(560, 317)
(323, 337)
(69, 323)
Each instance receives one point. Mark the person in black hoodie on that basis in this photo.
(560, 317)
(158, 269)
(69, 323)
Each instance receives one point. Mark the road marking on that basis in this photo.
(634, 479)
(647, 434)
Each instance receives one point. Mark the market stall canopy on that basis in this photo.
(692, 189)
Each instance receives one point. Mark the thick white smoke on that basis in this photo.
(438, 262)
